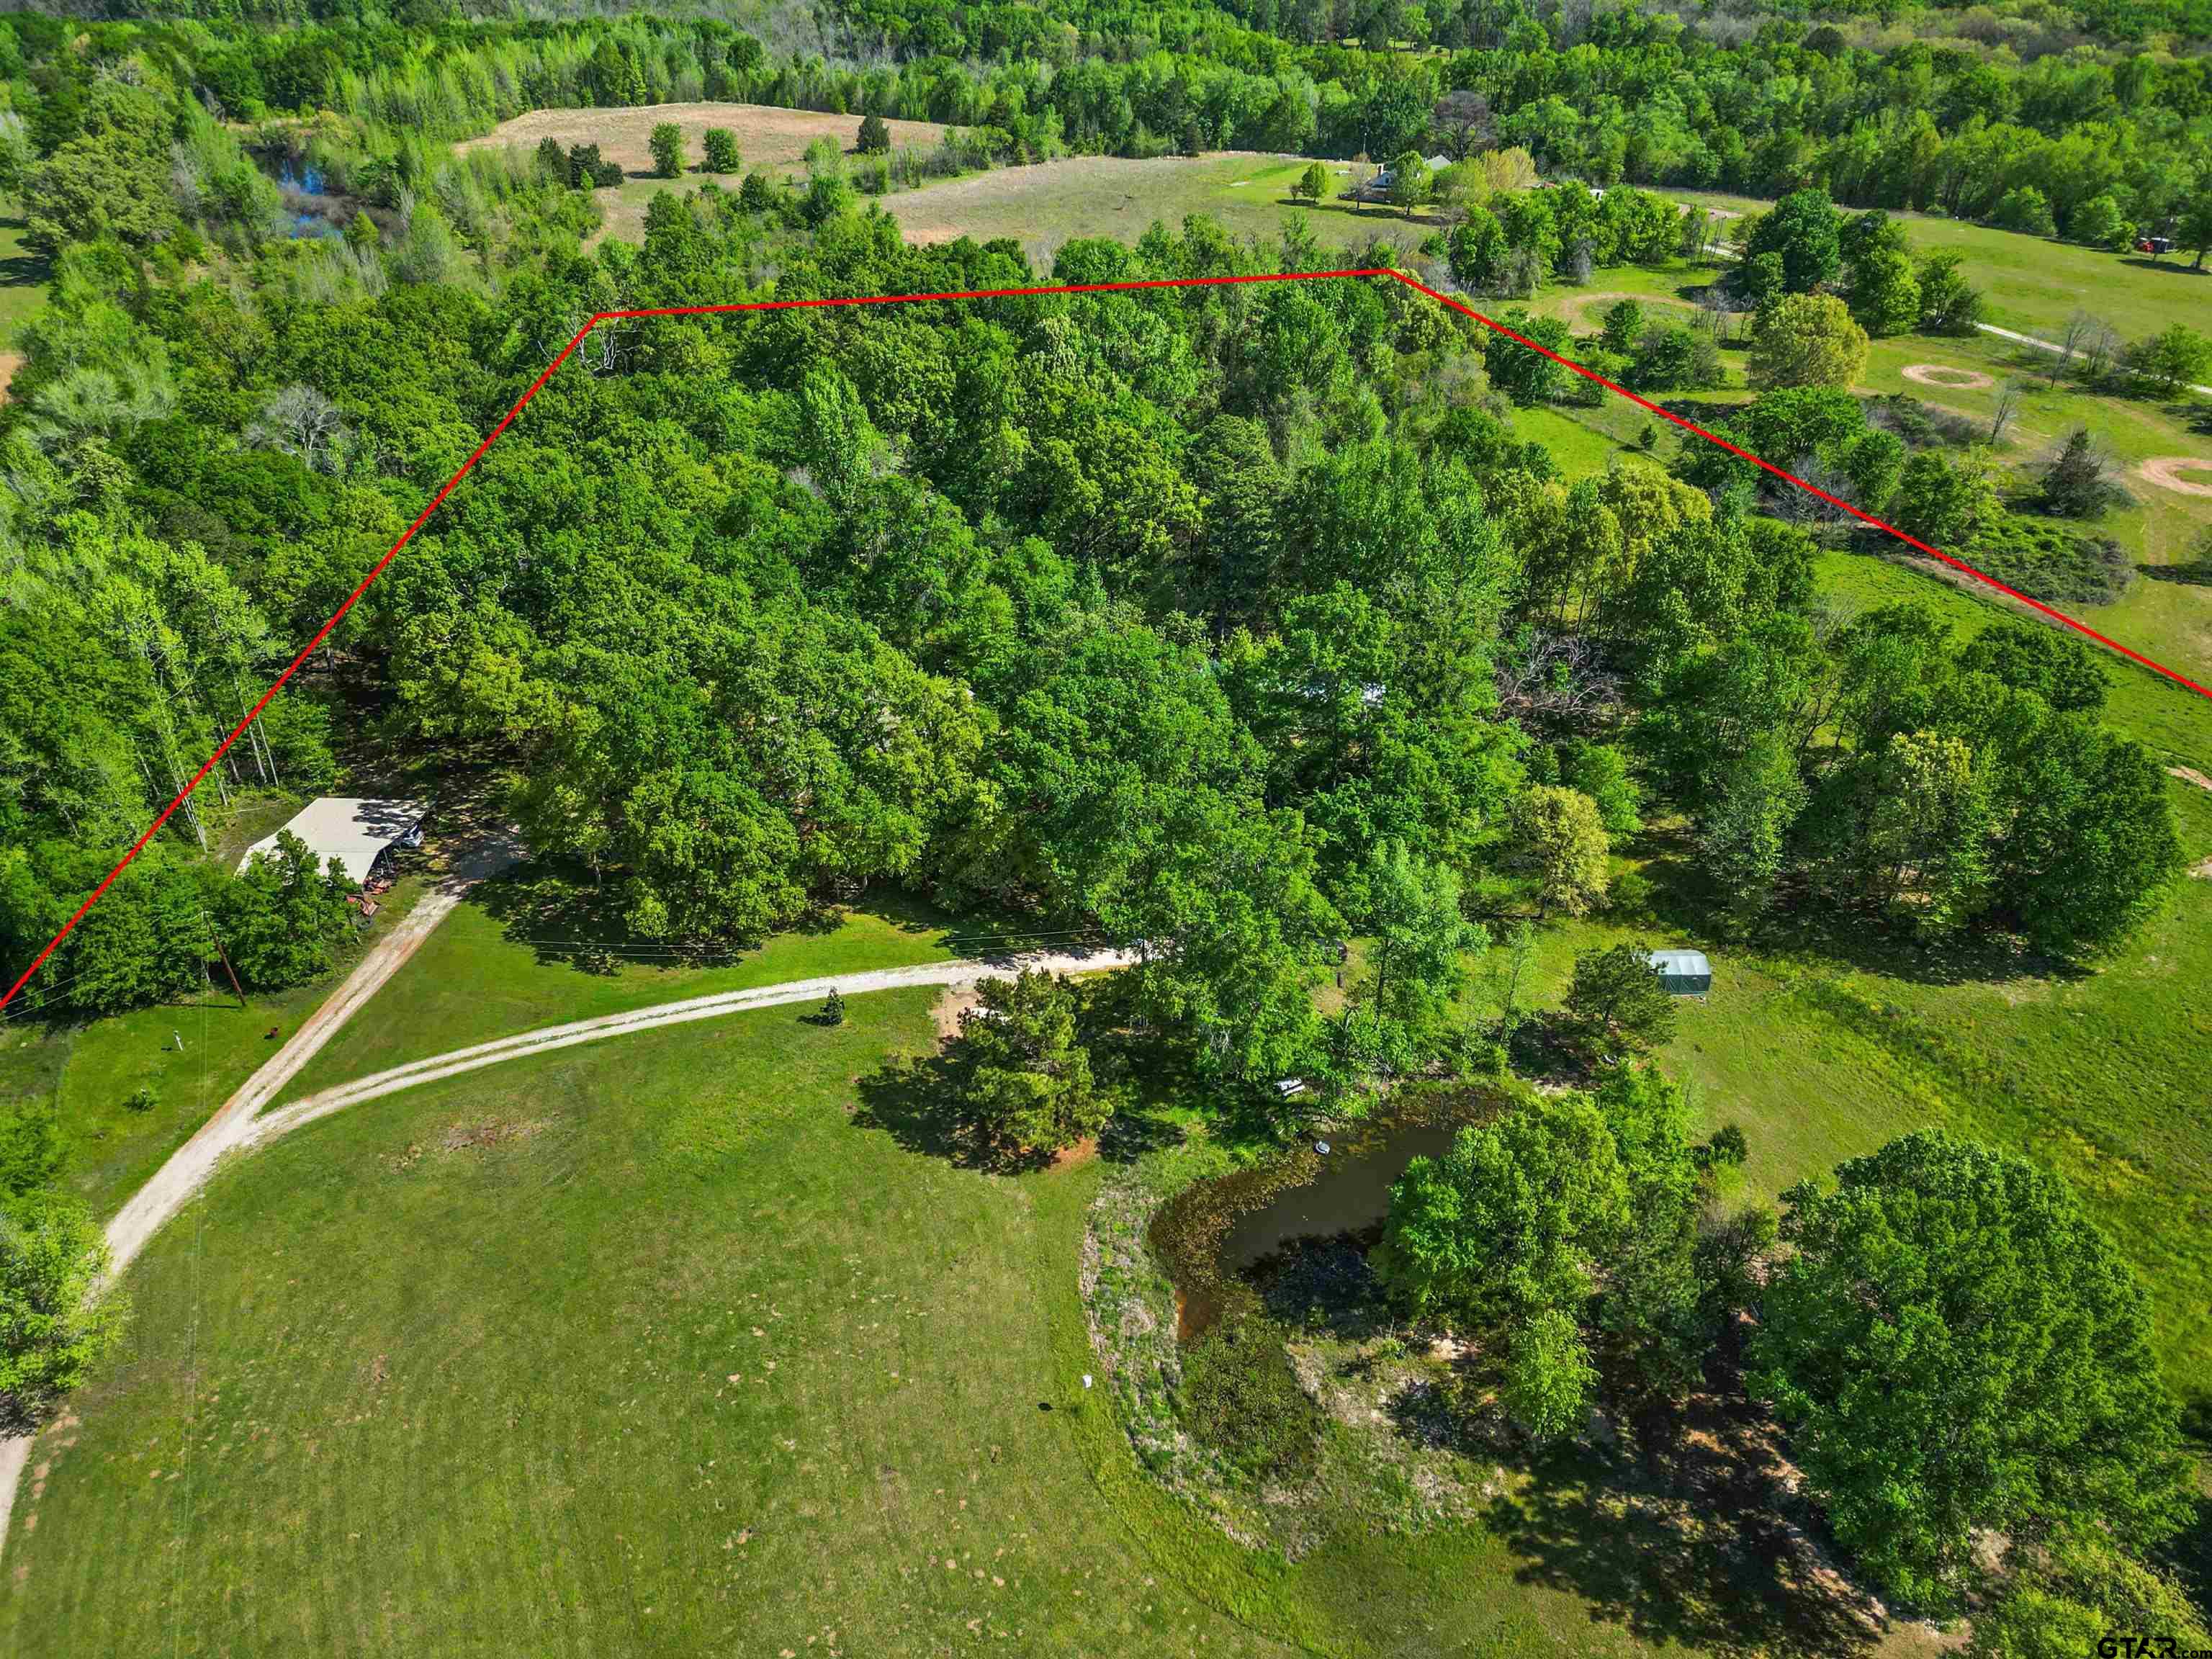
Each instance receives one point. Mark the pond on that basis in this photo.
(310, 211)
(1349, 1192)
(1210, 1235)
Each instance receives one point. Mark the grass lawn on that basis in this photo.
(475, 979)
(90, 1071)
(23, 277)
(1826, 1052)
(653, 1350)
(2033, 285)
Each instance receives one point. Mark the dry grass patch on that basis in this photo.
(767, 136)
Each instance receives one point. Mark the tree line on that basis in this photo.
(2095, 147)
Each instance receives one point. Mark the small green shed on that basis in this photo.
(1684, 973)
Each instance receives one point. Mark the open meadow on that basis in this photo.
(2034, 283)
(662, 1348)
(768, 137)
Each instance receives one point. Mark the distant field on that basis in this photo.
(1043, 206)
(767, 137)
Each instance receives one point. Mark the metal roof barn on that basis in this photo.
(356, 832)
(1684, 973)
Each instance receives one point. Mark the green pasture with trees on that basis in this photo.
(1384, 688)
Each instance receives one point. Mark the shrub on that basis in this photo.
(721, 151)
(1807, 340)
(2079, 483)
(142, 1099)
(2024, 208)
(1615, 1004)
(1949, 304)
(2099, 222)
(667, 146)
(2051, 562)
(875, 138)
(2169, 361)
(52, 1329)
(1241, 1397)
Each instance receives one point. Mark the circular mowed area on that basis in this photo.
(1951, 380)
(2189, 475)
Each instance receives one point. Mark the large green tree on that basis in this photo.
(54, 1327)
(1957, 1348)
(1025, 1085)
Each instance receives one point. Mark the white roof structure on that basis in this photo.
(1680, 962)
(352, 830)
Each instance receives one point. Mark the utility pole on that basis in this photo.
(236, 989)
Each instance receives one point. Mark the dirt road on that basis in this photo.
(283, 1121)
(236, 1128)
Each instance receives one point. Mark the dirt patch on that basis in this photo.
(2165, 471)
(1576, 307)
(1082, 1152)
(2190, 774)
(767, 136)
(492, 1132)
(1955, 379)
(2202, 870)
(957, 1001)
(10, 363)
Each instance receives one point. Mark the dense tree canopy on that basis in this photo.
(1956, 1348)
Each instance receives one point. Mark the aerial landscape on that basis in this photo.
(1363, 828)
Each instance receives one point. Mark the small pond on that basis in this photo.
(1348, 1194)
(1210, 1235)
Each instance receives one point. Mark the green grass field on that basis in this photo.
(1823, 1054)
(653, 1350)
(475, 979)
(22, 280)
(653, 1347)
(1042, 207)
(2033, 285)
(92, 1070)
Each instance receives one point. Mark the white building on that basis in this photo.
(356, 832)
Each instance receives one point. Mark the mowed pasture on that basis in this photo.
(660, 1348)
(688, 1342)
(1043, 206)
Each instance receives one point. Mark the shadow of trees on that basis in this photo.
(565, 919)
(2184, 575)
(1697, 1547)
(1685, 904)
(919, 1101)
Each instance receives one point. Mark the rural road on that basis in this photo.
(236, 1126)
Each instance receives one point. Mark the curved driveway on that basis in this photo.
(236, 1128)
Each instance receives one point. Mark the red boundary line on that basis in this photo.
(577, 339)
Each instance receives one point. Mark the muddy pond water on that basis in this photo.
(1210, 1235)
(1348, 1194)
